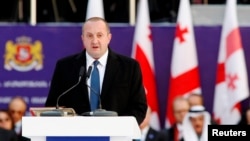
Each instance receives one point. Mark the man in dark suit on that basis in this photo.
(180, 109)
(7, 135)
(121, 85)
(148, 132)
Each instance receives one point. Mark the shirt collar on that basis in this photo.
(102, 60)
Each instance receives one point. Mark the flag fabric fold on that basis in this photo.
(231, 81)
(184, 77)
(95, 9)
(142, 51)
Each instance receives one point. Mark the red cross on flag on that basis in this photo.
(184, 77)
(232, 81)
(143, 53)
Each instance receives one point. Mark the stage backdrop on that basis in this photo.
(29, 55)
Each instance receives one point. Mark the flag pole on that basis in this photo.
(132, 12)
(33, 12)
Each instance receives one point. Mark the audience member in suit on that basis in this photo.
(180, 109)
(6, 120)
(17, 108)
(148, 132)
(245, 118)
(7, 135)
(121, 87)
(195, 124)
(7, 132)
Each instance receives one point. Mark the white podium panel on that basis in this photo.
(117, 128)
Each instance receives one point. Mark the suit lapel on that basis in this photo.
(80, 61)
(112, 67)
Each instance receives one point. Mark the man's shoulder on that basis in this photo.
(7, 134)
(71, 57)
(124, 58)
(2, 130)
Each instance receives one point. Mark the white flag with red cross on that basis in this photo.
(232, 80)
(184, 74)
(143, 53)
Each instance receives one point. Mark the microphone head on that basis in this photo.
(88, 72)
(82, 70)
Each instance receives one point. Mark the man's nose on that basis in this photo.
(95, 39)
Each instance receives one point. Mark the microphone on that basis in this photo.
(100, 111)
(88, 74)
(57, 111)
(79, 80)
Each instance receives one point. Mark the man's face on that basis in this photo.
(197, 123)
(5, 121)
(195, 100)
(17, 109)
(248, 116)
(181, 108)
(96, 38)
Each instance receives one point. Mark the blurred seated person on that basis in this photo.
(6, 121)
(195, 124)
(7, 135)
(149, 133)
(180, 109)
(195, 99)
(6, 127)
(245, 118)
(17, 108)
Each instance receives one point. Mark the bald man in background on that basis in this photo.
(17, 108)
(148, 132)
(180, 109)
(195, 99)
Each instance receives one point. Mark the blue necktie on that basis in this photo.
(95, 85)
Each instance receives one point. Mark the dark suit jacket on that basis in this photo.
(122, 89)
(6, 135)
(22, 138)
(154, 135)
(171, 133)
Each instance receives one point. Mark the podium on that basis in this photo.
(79, 128)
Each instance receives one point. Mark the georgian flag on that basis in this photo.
(184, 77)
(143, 53)
(231, 82)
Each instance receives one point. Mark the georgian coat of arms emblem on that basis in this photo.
(23, 55)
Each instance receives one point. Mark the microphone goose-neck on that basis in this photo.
(100, 111)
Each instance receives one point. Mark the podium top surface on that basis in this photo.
(81, 126)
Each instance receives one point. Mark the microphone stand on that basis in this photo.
(57, 111)
(100, 111)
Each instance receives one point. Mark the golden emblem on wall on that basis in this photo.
(23, 55)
